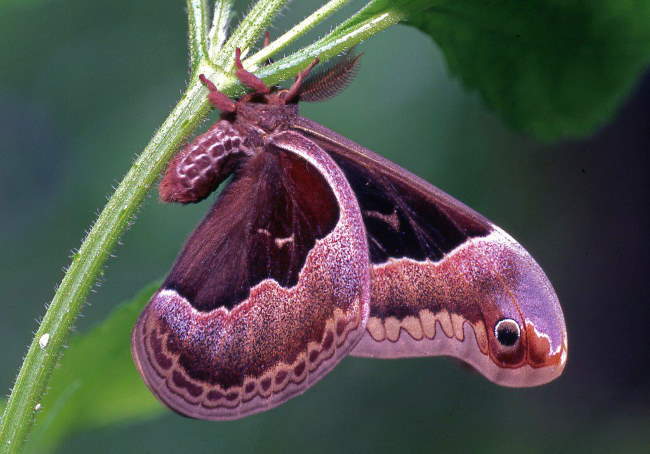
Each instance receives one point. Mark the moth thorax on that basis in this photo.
(268, 117)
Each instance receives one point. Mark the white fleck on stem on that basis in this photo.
(43, 340)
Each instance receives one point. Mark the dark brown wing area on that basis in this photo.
(404, 216)
(262, 226)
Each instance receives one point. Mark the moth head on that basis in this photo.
(272, 108)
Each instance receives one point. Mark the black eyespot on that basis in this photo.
(507, 332)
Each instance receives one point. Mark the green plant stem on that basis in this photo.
(250, 29)
(339, 40)
(219, 30)
(296, 31)
(88, 262)
(197, 29)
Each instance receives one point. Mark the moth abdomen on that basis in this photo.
(203, 164)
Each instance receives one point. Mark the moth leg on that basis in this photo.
(216, 98)
(203, 164)
(248, 78)
(294, 90)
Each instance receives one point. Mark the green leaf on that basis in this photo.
(96, 383)
(551, 68)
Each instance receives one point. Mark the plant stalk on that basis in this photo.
(296, 31)
(197, 28)
(86, 265)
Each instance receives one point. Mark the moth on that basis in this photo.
(318, 248)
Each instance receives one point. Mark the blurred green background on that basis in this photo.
(83, 85)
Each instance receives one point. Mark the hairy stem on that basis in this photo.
(219, 31)
(87, 263)
(339, 40)
(250, 29)
(197, 29)
(296, 31)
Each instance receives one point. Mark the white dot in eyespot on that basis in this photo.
(507, 332)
